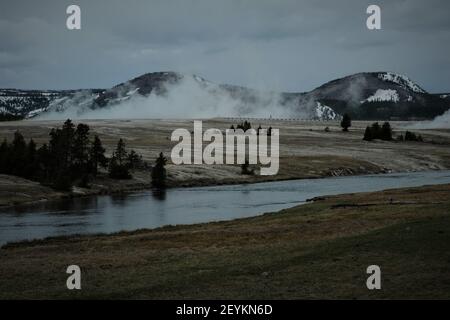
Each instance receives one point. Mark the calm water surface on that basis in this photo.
(112, 213)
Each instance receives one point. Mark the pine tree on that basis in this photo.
(4, 157)
(346, 122)
(159, 172)
(31, 161)
(118, 168)
(97, 155)
(67, 140)
(80, 149)
(368, 134)
(134, 160)
(386, 132)
(43, 163)
(18, 154)
(246, 125)
(121, 153)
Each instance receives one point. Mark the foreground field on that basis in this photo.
(318, 250)
(306, 150)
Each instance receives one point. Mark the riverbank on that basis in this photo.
(16, 191)
(317, 250)
(306, 151)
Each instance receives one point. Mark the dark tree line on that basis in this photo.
(247, 125)
(384, 132)
(376, 131)
(9, 117)
(410, 136)
(70, 158)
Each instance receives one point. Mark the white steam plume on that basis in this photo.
(440, 122)
(188, 98)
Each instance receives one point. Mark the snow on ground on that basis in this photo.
(401, 80)
(384, 95)
(131, 92)
(324, 112)
(35, 112)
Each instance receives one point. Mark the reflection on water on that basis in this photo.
(159, 194)
(155, 208)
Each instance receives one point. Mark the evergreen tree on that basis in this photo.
(31, 161)
(121, 153)
(67, 140)
(346, 122)
(80, 149)
(68, 157)
(43, 163)
(386, 132)
(97, 155)
(134, 160)
(4, 157)
(118, 168)
(18, 154)
(159, 172)
(376, 131)
(410, 136)
(117, 171)
(246, 125)
(368, 134)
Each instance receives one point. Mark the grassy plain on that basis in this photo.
(317, 250)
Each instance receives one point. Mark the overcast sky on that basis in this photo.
(287, 45)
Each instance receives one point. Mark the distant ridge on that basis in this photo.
(367, 95)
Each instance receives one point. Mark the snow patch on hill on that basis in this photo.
(383, 95)
(401, 80)
(324, 112)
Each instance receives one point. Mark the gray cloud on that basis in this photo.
(287, 45)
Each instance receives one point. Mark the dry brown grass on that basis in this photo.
(306, 151)
(318, 250)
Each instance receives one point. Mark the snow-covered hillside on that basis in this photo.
(401, 80)
(383, 95)
(324, 112)
(371, 95)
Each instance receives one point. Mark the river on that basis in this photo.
(147, 209)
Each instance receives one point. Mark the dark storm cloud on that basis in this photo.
(287, 45)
